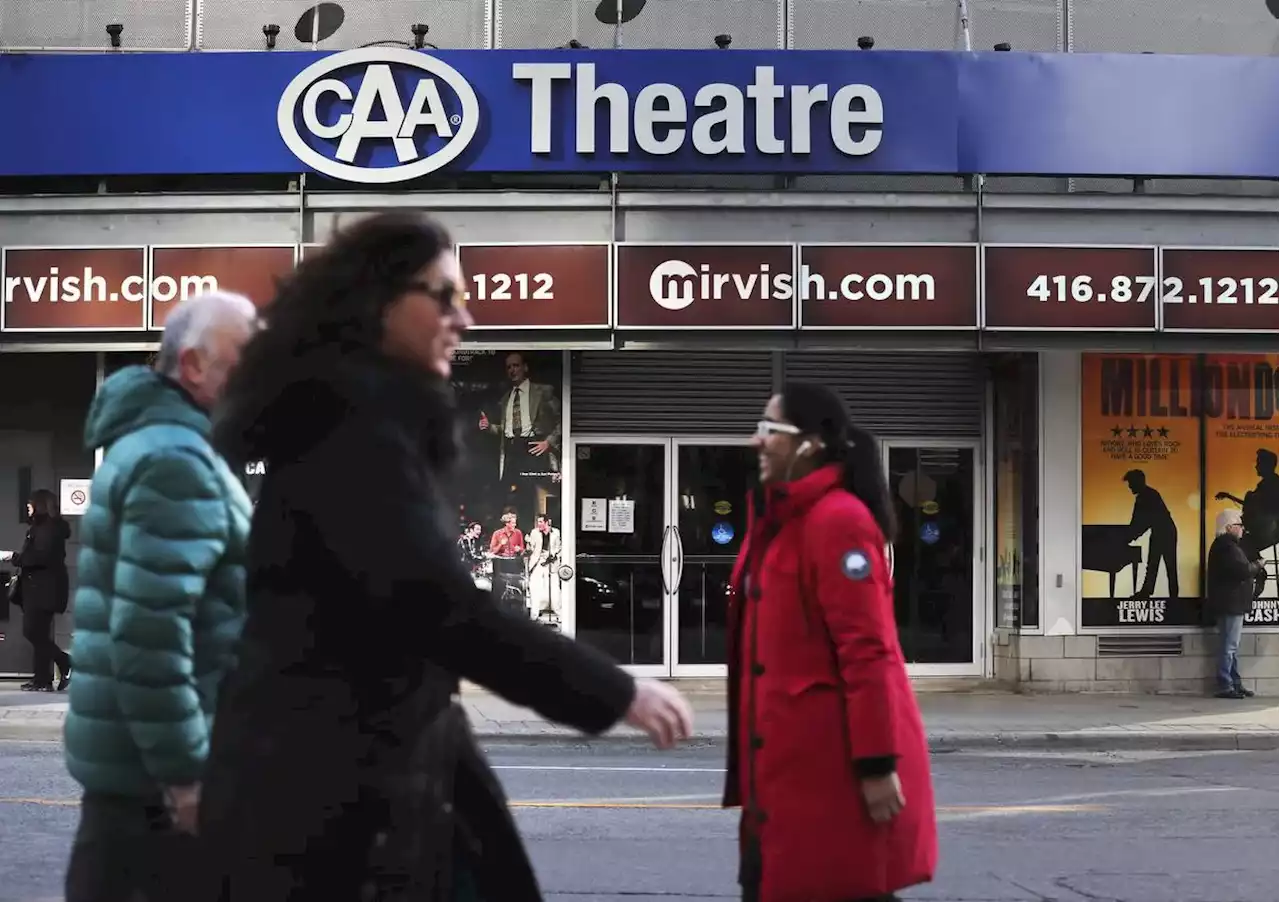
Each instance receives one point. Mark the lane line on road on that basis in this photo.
(602, 769)
(680, 803)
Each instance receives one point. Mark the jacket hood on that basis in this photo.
(136, 397)
(283, 419)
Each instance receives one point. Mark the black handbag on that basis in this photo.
(14, 589)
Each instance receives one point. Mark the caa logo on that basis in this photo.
(350, 121)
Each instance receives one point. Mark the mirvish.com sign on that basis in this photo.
(114, 289)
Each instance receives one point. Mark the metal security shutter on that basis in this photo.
(938, 395)
(692, 392)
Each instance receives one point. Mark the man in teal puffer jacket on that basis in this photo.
(158, 609)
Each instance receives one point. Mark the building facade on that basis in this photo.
(1046, 358)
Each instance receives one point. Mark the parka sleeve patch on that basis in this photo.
(855, 564)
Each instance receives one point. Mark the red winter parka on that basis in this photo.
(817, 683)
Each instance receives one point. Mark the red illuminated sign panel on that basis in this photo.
(1220, 289)
(705, 286)
(1065, 288)
(537, 286)
(73, 289)
(867, 286)
(180, 272)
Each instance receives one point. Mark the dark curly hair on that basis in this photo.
(330, 308)
(335, 299)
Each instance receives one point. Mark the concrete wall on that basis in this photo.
(1071, 664)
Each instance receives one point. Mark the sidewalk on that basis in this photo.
(962, 719)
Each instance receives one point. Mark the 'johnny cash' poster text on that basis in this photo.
(1241, 435)
(1140, 543)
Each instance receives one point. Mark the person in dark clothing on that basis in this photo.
(1229, 574)
(342, 765)
(43, 587)
(1151, 515)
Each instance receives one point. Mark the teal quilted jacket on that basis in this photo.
(160, 601)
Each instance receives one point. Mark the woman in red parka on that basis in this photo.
(827, 756)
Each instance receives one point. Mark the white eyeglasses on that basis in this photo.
(766, 428)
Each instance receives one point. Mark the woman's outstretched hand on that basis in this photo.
(662, 712)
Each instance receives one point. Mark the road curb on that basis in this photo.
(1090, 740)
(1106, 740)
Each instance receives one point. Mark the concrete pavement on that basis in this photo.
(954, 719)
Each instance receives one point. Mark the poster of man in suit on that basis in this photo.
(509, 406)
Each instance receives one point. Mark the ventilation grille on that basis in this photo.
(939, 395)
(1139, 646)
(671, 392)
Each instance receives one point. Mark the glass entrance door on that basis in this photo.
(937, 578)
(658, 524)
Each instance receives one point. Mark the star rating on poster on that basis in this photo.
(1134, 431)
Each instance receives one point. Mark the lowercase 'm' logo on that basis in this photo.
(353, 104)
(672, 284)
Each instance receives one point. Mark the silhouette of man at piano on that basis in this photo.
(1258, 508)
(1151, 515)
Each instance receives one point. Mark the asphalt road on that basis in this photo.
(620, 824)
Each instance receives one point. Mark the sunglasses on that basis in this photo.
(766, 428)
(448, 296)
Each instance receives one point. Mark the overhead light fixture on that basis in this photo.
(271, 31)
(866, 42)
(319, 23)
(1003, 47)
(723, 41)
(420, 37)
(607, 11)
(114, 30)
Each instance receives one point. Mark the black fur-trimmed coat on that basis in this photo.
(341, 765)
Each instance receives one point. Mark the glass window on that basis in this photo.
(1016, 485)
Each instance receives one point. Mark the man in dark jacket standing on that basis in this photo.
(1229, 579)
(158, 609)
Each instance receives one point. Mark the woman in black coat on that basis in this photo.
(43, 587)
(341, 764)
(1229, 586)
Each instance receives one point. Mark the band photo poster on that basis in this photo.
(508, 486)
(1168, 442)
(1241, 435)
(1140, 484)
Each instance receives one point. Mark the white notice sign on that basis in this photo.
(593, 515)
(622, 515)
(73, 497)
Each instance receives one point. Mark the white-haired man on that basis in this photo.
(1229, 575)
(158, 609)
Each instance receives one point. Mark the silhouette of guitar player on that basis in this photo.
(1258, 508)
(1151, 515)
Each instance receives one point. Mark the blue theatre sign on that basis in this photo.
(385, 115)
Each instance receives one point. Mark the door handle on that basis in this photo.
(663, 561)
(677, 559)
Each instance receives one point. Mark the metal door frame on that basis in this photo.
(677, 669)
(981, 586)
(569, 538)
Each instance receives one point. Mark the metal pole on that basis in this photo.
(962, 24)
(617, 24)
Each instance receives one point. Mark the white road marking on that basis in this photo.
(630, 770)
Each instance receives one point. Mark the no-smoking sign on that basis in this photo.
(73, 498)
